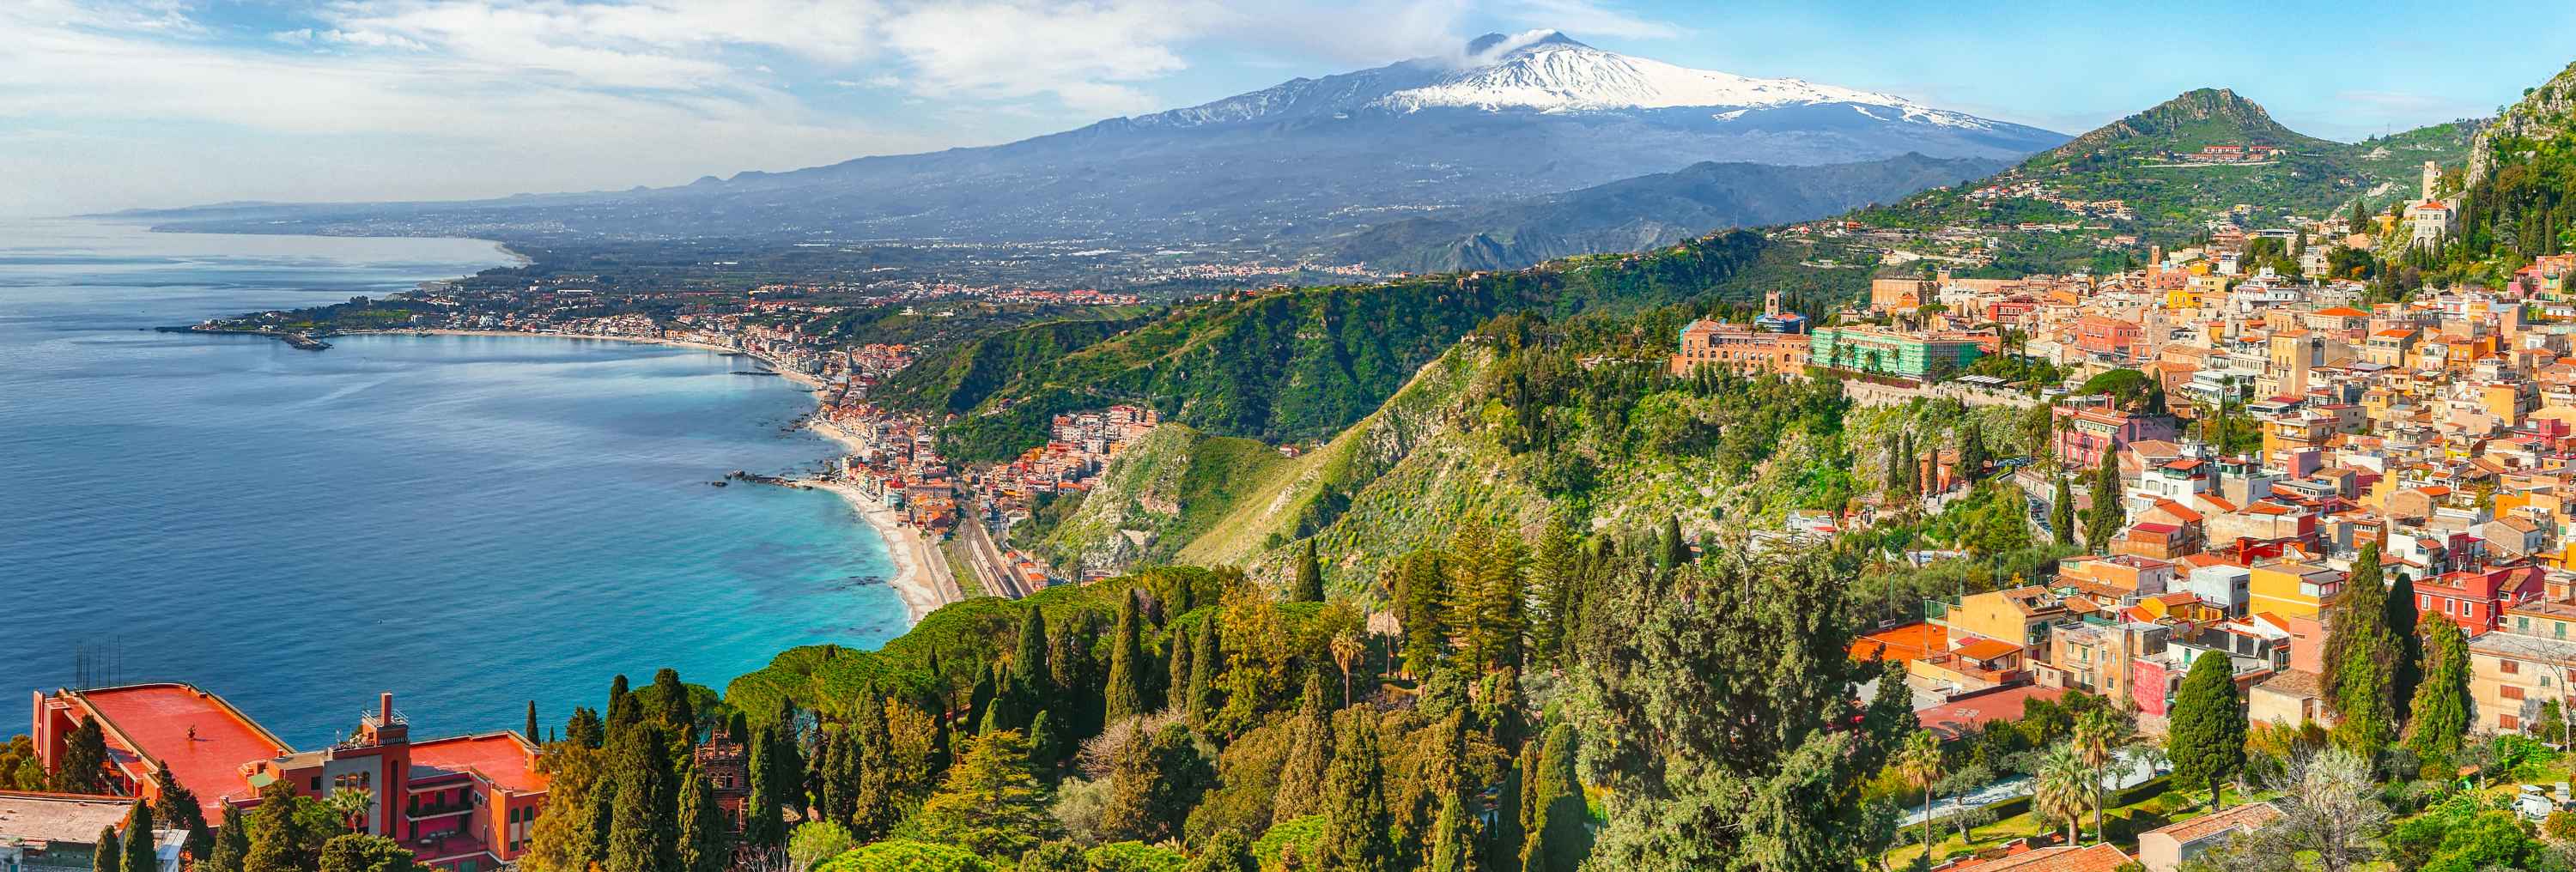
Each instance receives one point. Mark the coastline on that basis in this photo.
(921, 573)
(921, 577)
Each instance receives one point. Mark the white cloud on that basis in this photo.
(1581, 18)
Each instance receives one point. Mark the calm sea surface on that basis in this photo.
(468, 522)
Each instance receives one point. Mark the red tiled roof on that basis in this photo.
(2089, 858)
(1956, 717)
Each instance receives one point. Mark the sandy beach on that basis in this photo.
(921, 575)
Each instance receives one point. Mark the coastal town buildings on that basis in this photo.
(466, 803)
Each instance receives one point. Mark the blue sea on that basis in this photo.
(468, 522)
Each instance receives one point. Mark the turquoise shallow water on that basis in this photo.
(468, 522)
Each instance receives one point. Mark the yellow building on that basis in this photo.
(2291, 588)
(2021, 616)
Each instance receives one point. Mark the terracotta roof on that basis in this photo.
(2089, 858)
(2344, 312)
(1986, 649)
(2241, 818)
(2295, 683)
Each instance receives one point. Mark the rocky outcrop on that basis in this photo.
(2545, 112)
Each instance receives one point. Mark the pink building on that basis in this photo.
(2092, 433)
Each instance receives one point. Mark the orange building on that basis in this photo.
(1729, 346)
(465, 803)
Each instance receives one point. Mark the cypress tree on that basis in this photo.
(529, 730)
(1905, 465)
(670, 705)
(2206, 739)
(1453, 836)
(1046, 742)
(2361, 657)
(2441, 713)
(761, 826)
(1560, 832)
(109, 854)
(617, 690)
(1310, 755)
(701, 841)
(2402, 620)
(1031, 684)
(140, 854)
(2061, 514)
(1356, 819)
(231, 843)
(1972, 451)
(2108, 514)
(1503, 840)
(1176, 693)
(1893, 483)
(1676, 549)
(638, 832)
(1125, 695)
(979, 699)
(1309, 587)
(1206, 666)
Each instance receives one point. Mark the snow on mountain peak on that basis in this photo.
(1545, 71)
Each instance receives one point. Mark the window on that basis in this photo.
(2509, 692)
(2508, 722)
(2508, 667)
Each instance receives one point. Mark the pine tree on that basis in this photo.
(1356, 819)
(1422, 590)
(1556, 571)
(2441, 706)
(360, 852)
(2402, 620)
(140, 854)
(2061, 514)
(1156, 779)
(1309, 587)
(991, 803)
(586, 729)
(1310, 755)
(82, 768)
(109, 854)
(2206, 738)
(281, 839)
(2109, 515)
(703, 831)
(231, 843)
(1560, 834)
(1124, 697)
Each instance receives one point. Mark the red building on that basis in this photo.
(466, 803)
(2092, 433)
(2102, 335)
(2476, 600)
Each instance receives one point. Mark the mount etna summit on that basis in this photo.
(1510, 118)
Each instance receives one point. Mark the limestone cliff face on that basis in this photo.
(2546, 112)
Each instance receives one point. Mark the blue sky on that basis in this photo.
(117, 103)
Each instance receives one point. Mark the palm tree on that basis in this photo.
(351, 804)
(1347, 649)
(2098, 738)
(1919, 762)
(2061, 787)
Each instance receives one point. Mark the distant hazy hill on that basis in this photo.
(1512, 117)
(1644, 212)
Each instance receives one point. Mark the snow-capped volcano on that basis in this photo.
(1548, 72)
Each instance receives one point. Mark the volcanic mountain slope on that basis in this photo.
(1513, 117)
